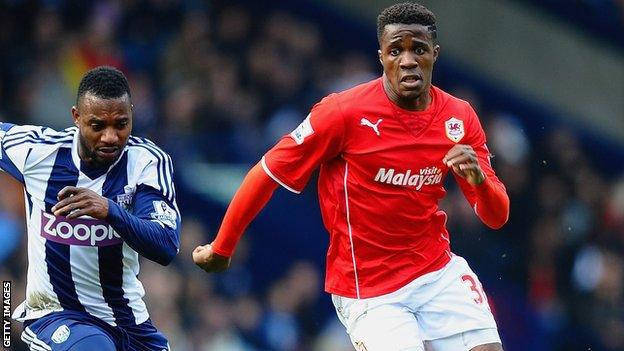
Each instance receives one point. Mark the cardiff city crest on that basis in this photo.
(454, 129)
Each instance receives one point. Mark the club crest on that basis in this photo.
(125, 200)
(61, 334)
(454, 129)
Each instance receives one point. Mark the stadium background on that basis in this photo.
(216, 83)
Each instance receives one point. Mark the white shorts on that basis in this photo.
(445, 308)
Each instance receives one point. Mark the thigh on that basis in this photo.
(94, 342)
(473, 340)
(458, 305)
(145, 337)
(67, 332)
(379, 327)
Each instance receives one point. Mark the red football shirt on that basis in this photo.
(381, 178)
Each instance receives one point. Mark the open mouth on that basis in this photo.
(412, 78)
(108, 152)
(411, 82)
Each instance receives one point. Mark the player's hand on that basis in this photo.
(75, 202)
(462, 159)
(210, 261)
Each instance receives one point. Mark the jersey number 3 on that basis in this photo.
(474, 286)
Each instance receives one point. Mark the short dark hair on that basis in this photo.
(406, 13)
(104, 82)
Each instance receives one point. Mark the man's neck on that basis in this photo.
(420, 103)
(84, 158)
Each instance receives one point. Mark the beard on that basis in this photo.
(89, 155)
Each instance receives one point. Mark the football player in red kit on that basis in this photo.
(384, 149)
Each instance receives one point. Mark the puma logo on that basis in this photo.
(366, 122)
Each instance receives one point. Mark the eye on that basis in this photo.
(420, 51)
(96, 127)
(395, 52)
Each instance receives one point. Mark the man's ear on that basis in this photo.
(380, 59)
(436, 52)
(75, 115)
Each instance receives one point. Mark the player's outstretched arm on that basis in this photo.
(253, 194)
(153, 230)
(479, 183)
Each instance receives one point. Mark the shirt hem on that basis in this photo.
(369, 293)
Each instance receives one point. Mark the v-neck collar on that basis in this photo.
(402, 114)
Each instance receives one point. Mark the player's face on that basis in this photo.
(407, 54)
(105, 126)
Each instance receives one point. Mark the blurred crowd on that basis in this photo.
(220, 82)
(603, 18)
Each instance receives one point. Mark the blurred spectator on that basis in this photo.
(11, 217)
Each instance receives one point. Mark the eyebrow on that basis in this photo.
(399, 39)
(95, 119)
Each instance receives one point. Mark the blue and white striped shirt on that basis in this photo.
(87, 264)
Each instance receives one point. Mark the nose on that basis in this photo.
(109, 136)
(408, 60)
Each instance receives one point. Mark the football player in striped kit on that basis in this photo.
(96, 198)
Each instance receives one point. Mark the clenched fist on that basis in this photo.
(462, 159)
(210, 261)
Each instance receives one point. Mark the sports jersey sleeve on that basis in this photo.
(488, 199)
(250, 198)
(317, 139)
(15, 141)
(153, 227)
